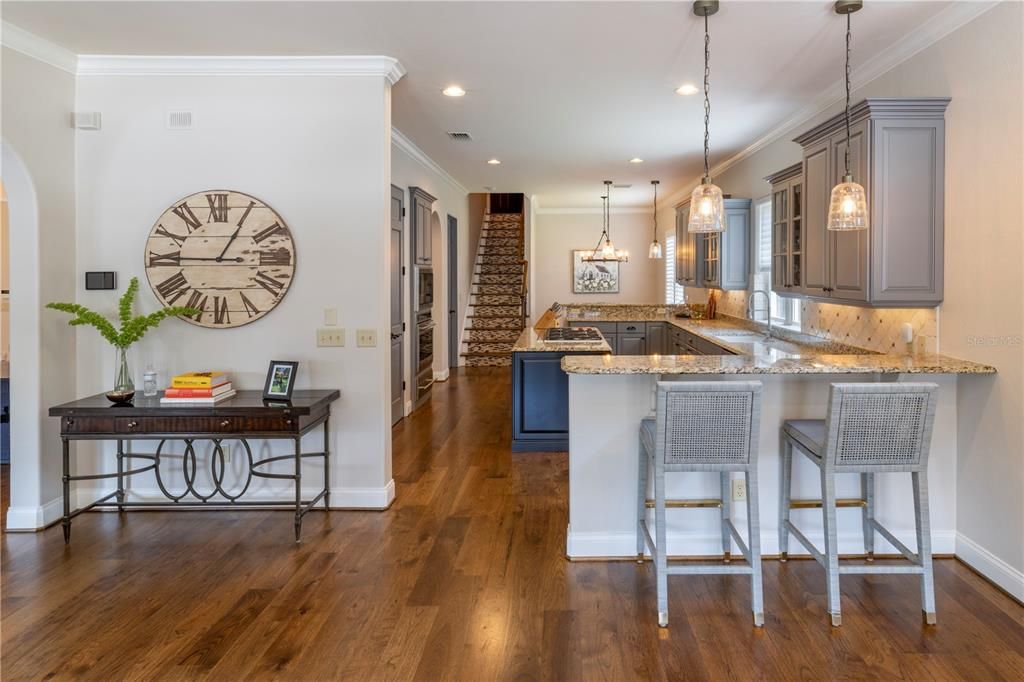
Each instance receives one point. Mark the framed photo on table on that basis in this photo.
(280, 380)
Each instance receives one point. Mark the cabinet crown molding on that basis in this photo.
(785, 174)
(877, 107)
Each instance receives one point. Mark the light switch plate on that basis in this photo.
(330, 317)
(366, 338)
(331, 337)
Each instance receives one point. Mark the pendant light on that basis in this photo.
(707, 208)
(655, 250)
(848, 206)
(605, 250)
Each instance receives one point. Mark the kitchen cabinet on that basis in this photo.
(419, 225)
(656, 335)
(686, 247)
(787, 229)
(725, 256)
(631, 344)
(540, 402)
(897, 152)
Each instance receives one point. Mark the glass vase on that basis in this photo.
(124, 387)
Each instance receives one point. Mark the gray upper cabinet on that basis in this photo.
(686, 247)
(787, 229)
(422, 206)
(725, 256)
(897, 153)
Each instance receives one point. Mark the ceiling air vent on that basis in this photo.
(180, 120)
(459, 136)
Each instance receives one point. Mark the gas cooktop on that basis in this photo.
(573, 335)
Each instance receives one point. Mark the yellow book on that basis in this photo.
(199, 380)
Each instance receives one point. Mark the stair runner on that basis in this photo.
(495, 316)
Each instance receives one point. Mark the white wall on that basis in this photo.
(317, 149)
(980, 67)
(556, 234)
(38, 173)
(410, 167)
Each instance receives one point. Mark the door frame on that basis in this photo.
(399, 194)
(454, 337)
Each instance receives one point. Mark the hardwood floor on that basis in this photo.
(463, 579)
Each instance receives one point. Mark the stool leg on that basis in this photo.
(661, 550)
(754, 526)
(784, 495)
(924, 544)
(726, 514)
(867, 491)
(641, 503)
(828, 509)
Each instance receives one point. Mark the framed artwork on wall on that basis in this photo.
(594, 277)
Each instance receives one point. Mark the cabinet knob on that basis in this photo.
(132, 424)
(225, 422)
(288, 422)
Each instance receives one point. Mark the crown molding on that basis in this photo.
(147, 65)
(594, 210)
(922, 37)
(31, 45)
(399, 140)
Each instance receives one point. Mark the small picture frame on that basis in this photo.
(280, 380)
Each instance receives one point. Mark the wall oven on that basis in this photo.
(424, 357)
(424, 291)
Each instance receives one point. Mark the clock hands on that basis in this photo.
(226, 246)
(218, 259)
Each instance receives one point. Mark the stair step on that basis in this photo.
(504, 361)
(485, 354)
(496, 299)
(491, 335)
(490, 347)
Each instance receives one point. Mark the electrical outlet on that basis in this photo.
(739, 490)
(330, 337)
(366, 338)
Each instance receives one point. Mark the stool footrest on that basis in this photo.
(688, 504)
(816, 504)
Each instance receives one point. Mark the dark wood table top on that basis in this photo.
(243, 403)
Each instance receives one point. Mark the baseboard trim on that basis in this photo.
(610, 546)
(31, 519)
(989, 566)
(441, 376)
(364, 498)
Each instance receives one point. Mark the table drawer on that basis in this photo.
(200, 425)
(79, 425)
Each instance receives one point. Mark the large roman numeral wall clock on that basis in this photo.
(226, 253)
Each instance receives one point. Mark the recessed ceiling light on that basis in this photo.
(687, 89)
(494, 162)
(636, 159)
(453, 91)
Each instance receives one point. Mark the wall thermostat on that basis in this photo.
(101, 280)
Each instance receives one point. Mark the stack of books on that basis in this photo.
(198, 388)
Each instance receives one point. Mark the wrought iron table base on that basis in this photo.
(218, 467)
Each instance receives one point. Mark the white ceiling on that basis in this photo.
(564, 93)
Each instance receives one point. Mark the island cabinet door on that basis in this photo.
(632, 344)
(540, 395)
(817, 188)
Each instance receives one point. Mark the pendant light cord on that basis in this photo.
(655, 211)
(707, 98)
(847, 151)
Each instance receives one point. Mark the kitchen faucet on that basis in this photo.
(750, 308)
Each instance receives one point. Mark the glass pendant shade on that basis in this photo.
(707, 208)
(655, 250)
(848, 207)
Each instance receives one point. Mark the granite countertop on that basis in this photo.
(532, 341)
(771, 362)
(789, 353)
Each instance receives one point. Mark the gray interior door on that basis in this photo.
(453, 292)
(397, 310)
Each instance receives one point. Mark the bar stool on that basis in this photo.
(869, 429)
(702, 426)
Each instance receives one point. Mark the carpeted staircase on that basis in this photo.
(495, 315)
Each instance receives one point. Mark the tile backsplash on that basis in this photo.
(876, 329)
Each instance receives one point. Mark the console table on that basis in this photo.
(244, 416)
